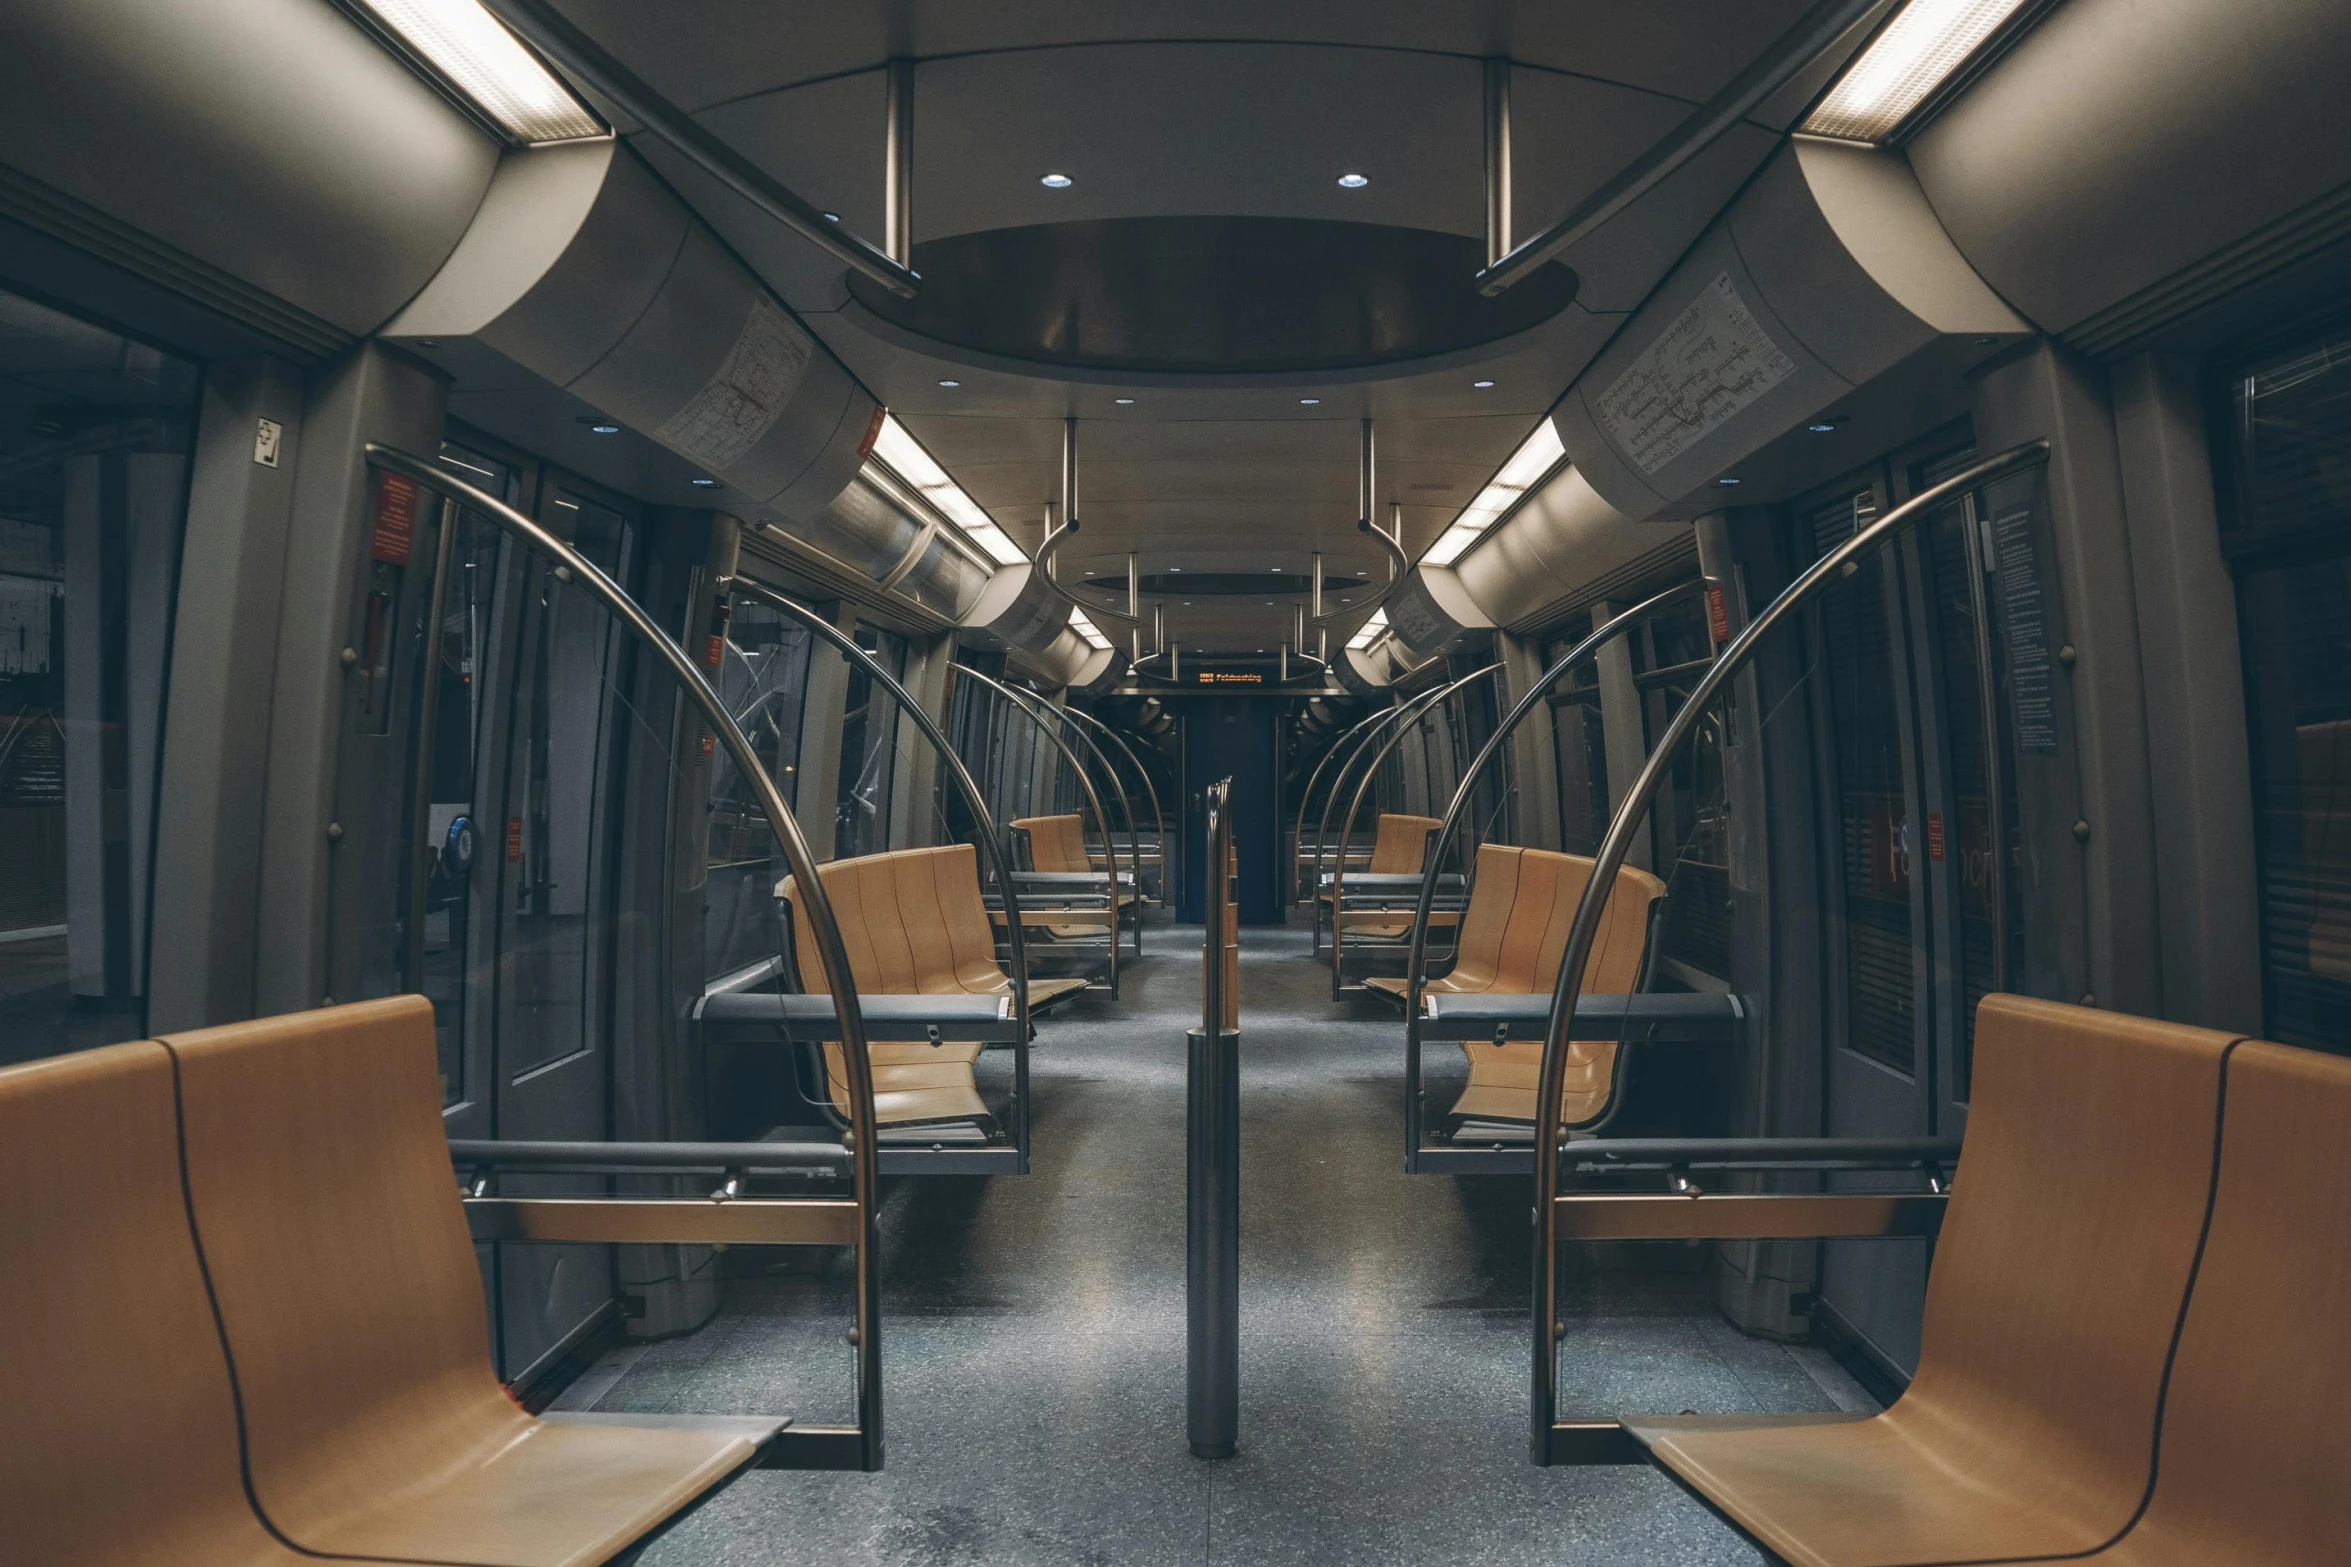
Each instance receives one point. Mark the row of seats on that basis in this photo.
(247, 1330)
(2137, 1343)
(1057, 845)
(1399, 847)
(914, 924)
(1513, 936)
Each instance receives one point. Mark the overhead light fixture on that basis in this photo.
(1122, 401)
(1370, 631)
(472, 52)
(1910, 57)
(704, 483)
(1055, 182)
(1310, 402)
(1536, 456)
(1351, 182)
(1175, 568)
(831, 217)
(1086, 629)
(1726, 482)
(903, 456)
(604, 429)
(1482, 385)
(943, 381)
(1821, 426)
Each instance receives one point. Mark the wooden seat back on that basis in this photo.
(2076, 1214)
(1399, 844)
(1478, 945)
(2253, 1465)
(119, 1441)
(1057, 843)
(920, 925)
(319, 1185)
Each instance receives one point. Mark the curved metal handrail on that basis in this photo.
(1409, 708)
(1345, 740)
(1355, 805)
(1618, 843)
(1398, 561)
(1616, 625)
(1126, 809)
(1085, 782)
(990, 846)
(1158, 813)
(864, 1143)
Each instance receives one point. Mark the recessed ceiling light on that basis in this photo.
(1310, 402)
(1122, 400)
(945, 382)
(1821, 426)
(1175, 568)
(1055, 182)
(1351, 182)
(832, 217)
(601, 426)
(1482, 385)
(705, 483)
(1726, 483)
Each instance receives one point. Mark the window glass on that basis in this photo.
(764, 682)
(95, 435)
(869, 748)
(2288, 535)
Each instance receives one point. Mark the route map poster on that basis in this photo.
(1711, 362)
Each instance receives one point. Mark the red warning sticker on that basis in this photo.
(514, 840)
(1935, 836)
(395, 525)
(1718, 614)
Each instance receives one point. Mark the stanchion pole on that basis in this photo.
(1212, 1176)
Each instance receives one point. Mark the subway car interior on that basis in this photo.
(1348, 783)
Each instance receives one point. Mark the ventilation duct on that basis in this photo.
(1830, 273)
(582, 271)
(1561, 549)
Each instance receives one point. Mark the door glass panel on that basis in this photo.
(1691, 821)
(562, 755)
(1873, 848)
(95, 432)
(2288, 535)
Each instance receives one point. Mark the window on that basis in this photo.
(2287, 534)
(95, 435)
(764, 682)
(869, 749)
(1690, 826)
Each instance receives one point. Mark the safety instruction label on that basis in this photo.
(2032, 701)
(740, 403)
(395, 527)
(1711, 362)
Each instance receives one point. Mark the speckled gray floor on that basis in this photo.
(1034, 1335)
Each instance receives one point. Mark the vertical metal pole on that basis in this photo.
(1497, 160)
(1158, 627)
(1212, 1168)
(1363, 474)
(1134, 588)
(1175, 665)
(1318, 584)
(1069, 470)
(1298, 626)
(1284, 676)
(898, 163)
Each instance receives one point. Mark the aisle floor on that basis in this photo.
(1034, 1334)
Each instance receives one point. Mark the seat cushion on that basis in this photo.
(2059, 1278)
(318, 1177)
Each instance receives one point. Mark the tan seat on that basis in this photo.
(2065, 1256)
(1058, 844)
(118, 1445)
(318, 1181)
(2253, 1466)
(1477, 953)
(1544, 893)
(913, 923)
(1398, 847)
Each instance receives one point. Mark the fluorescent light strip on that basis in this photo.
(1904, 63)
(474, 53)
(1085, 628)
(1370, 631)
(1536, 456)
(903, 455)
